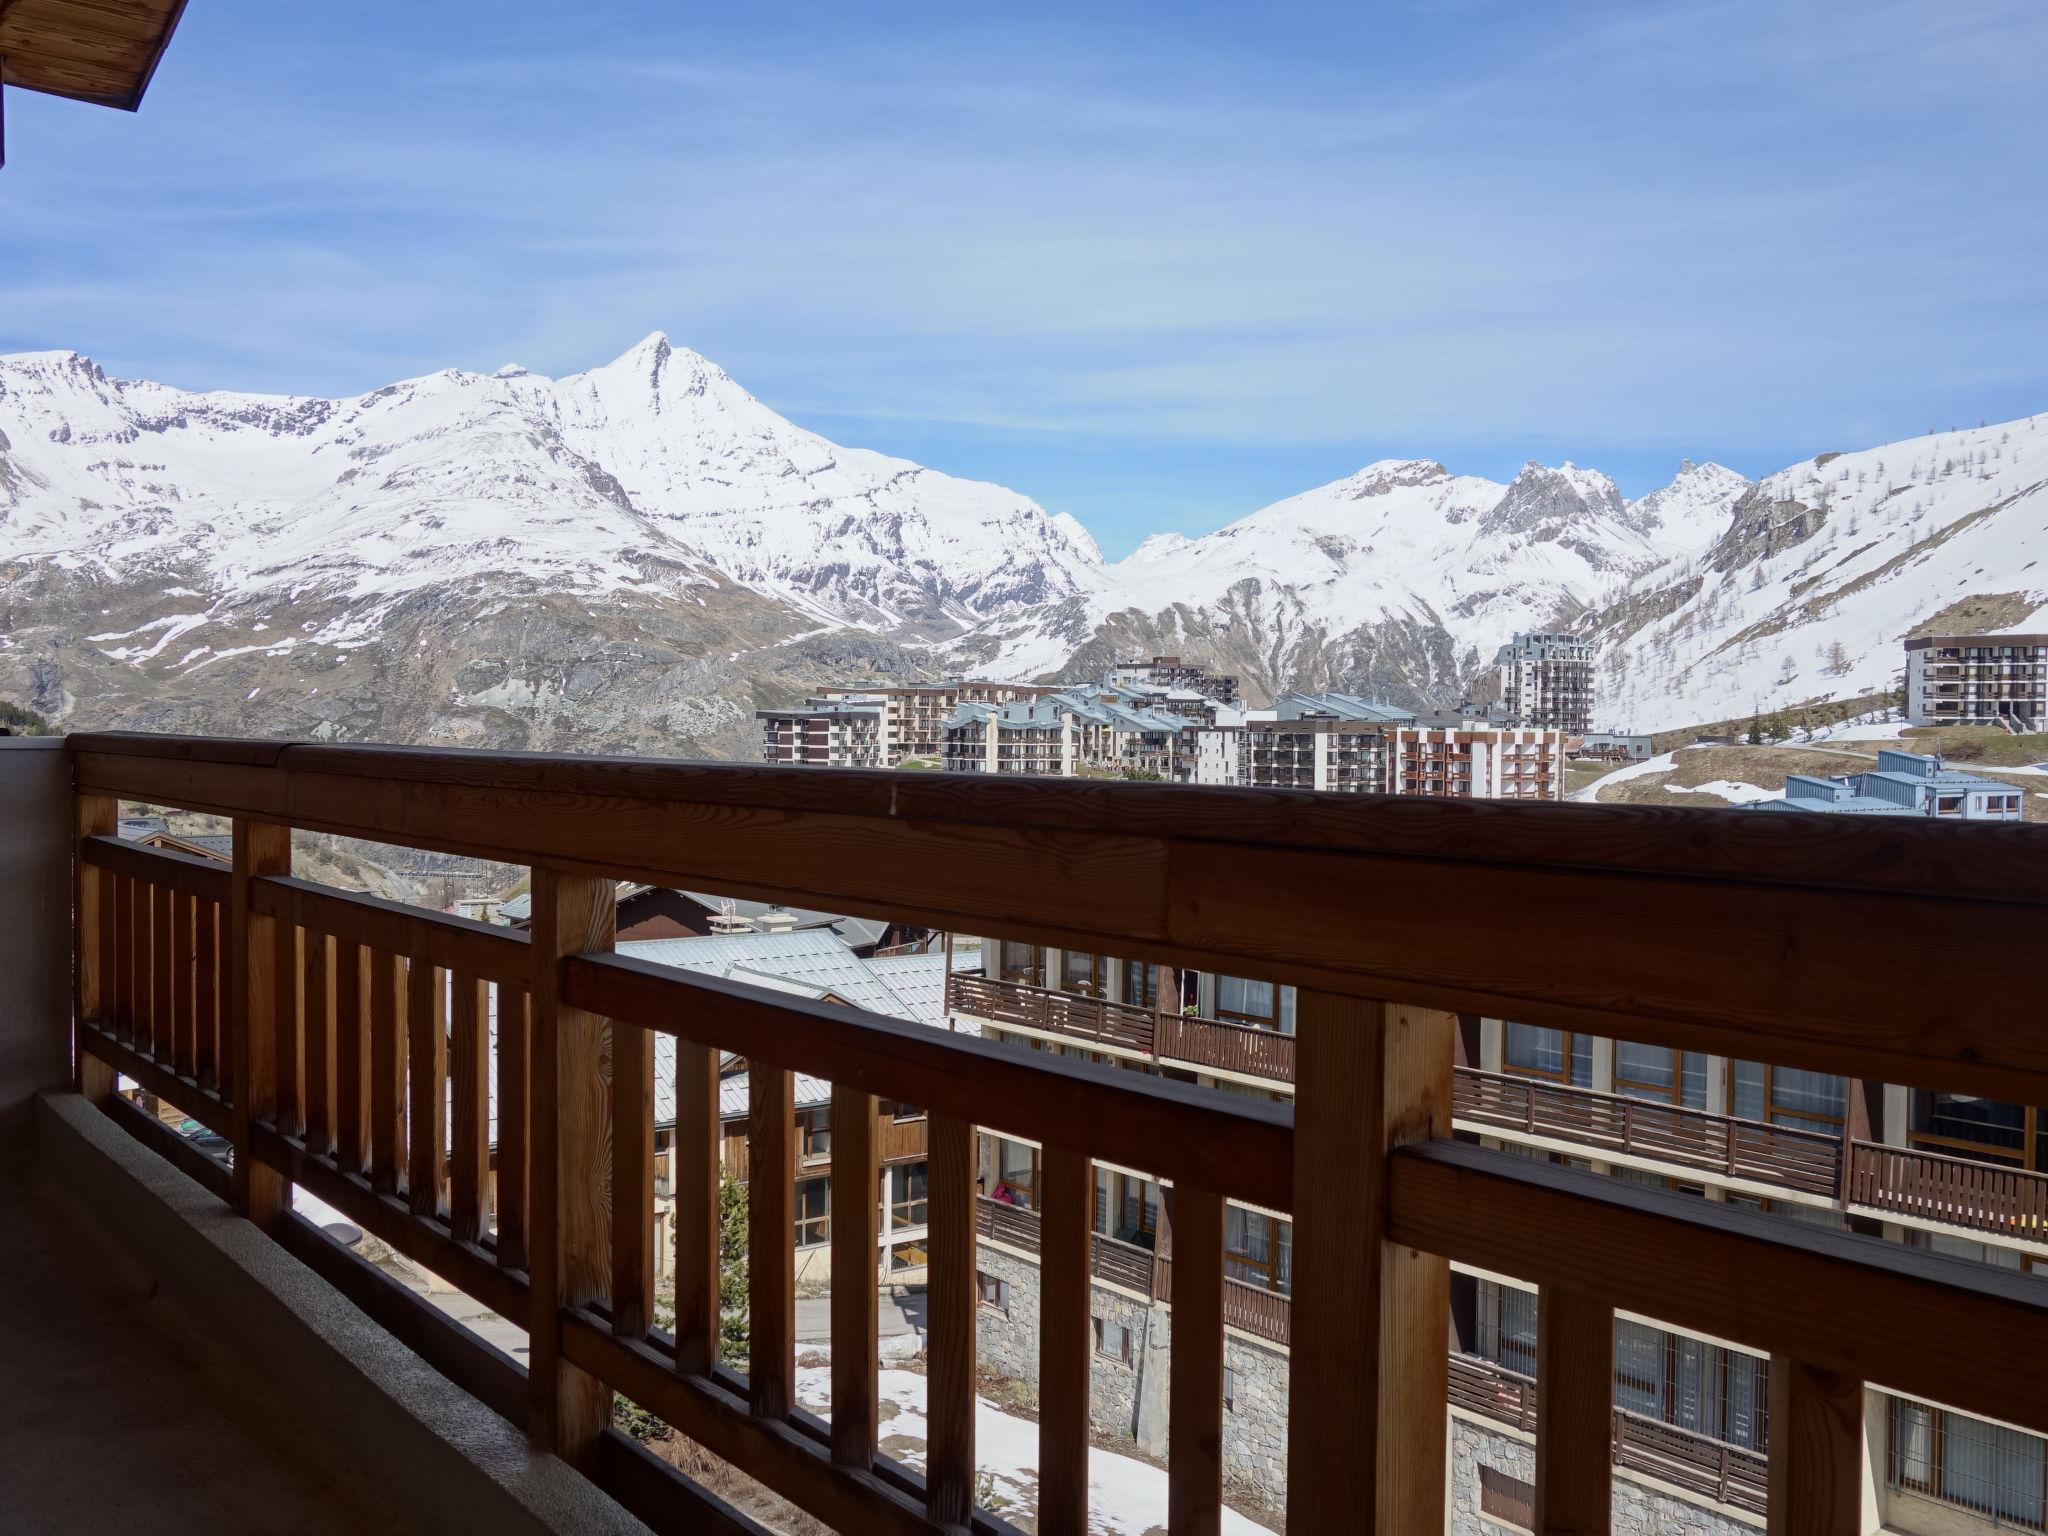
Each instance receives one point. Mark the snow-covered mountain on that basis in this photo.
(1821, 570)
(638, 556)
(1400, 580)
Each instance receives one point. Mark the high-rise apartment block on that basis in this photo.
(1547, 681)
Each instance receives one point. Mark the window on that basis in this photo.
(1258, 1249)
(1113, 1341)
(1021, 962)
(1658, 1072)
(1141, 984)
(1989, 1130)
(1507, 1326)
(814, 1127)
(1016, 1174)
(912, 1255)
(813, 1211)
(1261, 1004)
(1229, 1390)
(1813, 1101)
(899, 1112)
(1083, 973)
(1978, 1465)
(909, 1196)
(1557, 1054)
(993, 1293)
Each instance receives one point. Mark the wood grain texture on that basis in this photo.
(1575, 1415)
(206, 992)
(856, 1169)
(1979, 1336)
(183, 963)
(1066, 1341)
(162, 977)
(1372, 1077)
(351, 1057)
(158, 1081)
(426, 1030)
(92, 896)
(288, 1023)
(186, 873)
(439, 938)
(123, 982)
(1239, 1147)
(387, 1072)
(469, 1077)
(1194, 1455)
(771, 1240)
(632, 1215)
(514, 1121)
(570, 1258)
(1817, 1449)
(260, 848)
(318, 953)
(694, 1175)
(949, 1341)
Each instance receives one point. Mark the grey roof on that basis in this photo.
(919, 981)
(1294, 705)
(814, 957)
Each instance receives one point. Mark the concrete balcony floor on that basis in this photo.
(107, 1424)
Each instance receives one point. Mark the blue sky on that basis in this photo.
(1155, 265)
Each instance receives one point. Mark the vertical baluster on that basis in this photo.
(1575, 1421)
(771, 1239)
(694, 1159)
(260, 848)
(427, 1110)
(206, 1057)
(950, 1301)
(387, 1071)
(350, 966)
(469, 1068)
(319, 1036)
(1065, 1342)
(856, 1167)
(161, 963)
(570, 1111)
(184, 985)
(1194, 1459)
(632, 1058)
(285, 942)
(1815, 1471)
(94, 943)
(514, 1115)
(1366, 1425)
(122, 983)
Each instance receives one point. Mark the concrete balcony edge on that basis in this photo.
(365, 1406)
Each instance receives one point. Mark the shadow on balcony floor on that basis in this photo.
(105, 1425)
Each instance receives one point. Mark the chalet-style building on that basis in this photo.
(1978, 680)
(1902, 784)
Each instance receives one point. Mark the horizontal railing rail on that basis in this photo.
(1238, 1048)
(348, 1047)
(1953, 1191)
(1092, 1019)
(1667, 1133)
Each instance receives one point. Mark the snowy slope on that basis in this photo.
(1824, 569)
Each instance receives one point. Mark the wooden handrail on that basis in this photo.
(1799, 940)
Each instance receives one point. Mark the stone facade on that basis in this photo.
(1639, 1509)
(1129, 1402)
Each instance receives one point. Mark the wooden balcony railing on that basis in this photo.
(340, 1043)
(1730, 1474)
(1091, 1019)
(1955, 1191)
(1666, 1133)
(1230, 1047)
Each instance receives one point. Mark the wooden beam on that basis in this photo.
(318, 951)
(856, 1168)
(426, 1027)
(260, 848)
(1817, 1450)
(387, 1005)
(570, 1126)
(187, 873)
(694, 1175)
(632, 1181)
(1194, 1456)
(771, 1240)
(1066, 1344)
(1365, 1421)
(515, 1118)
(439, 938)
(92, 900)
(1979, 1336)
(1575, 1416)
(352, 1055)
(469, 1078)
(949, 1340)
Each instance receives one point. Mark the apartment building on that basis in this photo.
(1547, 680)
(1952, 1174)
(1978, 680)
(914, 715)
(845, 732)
(1172, 672)
(1105, 730)
(1466, 755)
(1903, 784)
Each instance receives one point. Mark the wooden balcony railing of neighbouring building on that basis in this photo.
(1227, 1047)
(1953, 1191)
(340, 1043)
(1666, 1133)
(1683, 1458)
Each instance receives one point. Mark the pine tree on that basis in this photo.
(734, 1323)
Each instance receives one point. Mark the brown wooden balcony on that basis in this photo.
(1715, 1469)
(1092, 1019)
(1953, 1191)
(1664, 1133)
(308, 1027)
(1228, 1047)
